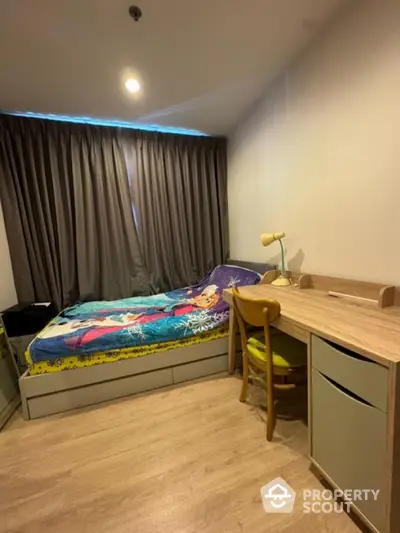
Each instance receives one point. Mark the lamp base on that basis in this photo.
(282, 281)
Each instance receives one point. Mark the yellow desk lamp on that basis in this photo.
(268, 238)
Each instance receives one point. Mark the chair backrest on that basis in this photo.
(255, 311)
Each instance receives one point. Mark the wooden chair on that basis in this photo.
(285, 357)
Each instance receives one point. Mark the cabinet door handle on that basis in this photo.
(347, 392)
(348, 352)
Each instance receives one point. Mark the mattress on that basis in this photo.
(101, 332)
(85, 360)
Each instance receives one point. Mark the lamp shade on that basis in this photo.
(269, 238)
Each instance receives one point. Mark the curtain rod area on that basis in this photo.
(106, 122)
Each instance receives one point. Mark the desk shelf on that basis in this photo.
(378, 293)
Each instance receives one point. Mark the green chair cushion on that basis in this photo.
(287, 352)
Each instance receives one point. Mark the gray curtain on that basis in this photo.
(179, 190)
(65, 195)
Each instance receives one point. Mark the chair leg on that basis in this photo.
(271, 420)
(245, 381)
(271, 414)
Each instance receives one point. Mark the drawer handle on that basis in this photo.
(348, 352)
(347, 392)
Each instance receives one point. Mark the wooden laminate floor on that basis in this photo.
(185, 460)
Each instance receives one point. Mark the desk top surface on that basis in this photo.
(358, 325)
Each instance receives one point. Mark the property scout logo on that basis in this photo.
(279, 497)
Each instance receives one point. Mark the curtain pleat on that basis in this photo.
(68, 214)
(179, 188)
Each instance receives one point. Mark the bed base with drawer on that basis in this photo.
(46, 394)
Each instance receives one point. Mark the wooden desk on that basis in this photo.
(359, 326)
(370, 384)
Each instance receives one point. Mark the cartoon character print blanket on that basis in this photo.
(92, 327)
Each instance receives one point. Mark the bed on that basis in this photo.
(97, 351)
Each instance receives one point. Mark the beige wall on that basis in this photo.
(8, 296)
(320, 156)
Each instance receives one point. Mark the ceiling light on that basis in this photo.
(132, 85)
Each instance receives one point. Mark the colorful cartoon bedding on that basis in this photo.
(101, 331)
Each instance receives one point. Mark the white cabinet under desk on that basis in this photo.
(351, 428)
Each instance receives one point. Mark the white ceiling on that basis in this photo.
(202, 63)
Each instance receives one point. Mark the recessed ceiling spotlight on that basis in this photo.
(132, 85)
